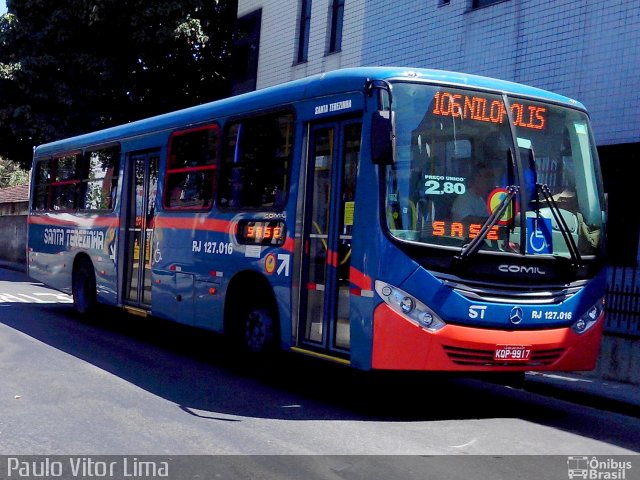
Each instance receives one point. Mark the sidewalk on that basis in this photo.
(584, 389)
(580, 388)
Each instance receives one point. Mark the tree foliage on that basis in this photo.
(73, 66)
(11, 174)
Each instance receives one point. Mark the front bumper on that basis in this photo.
(399, 344)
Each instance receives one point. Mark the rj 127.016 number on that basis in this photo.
(215, 248)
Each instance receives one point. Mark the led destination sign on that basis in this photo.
(484, 109)
(259, 232)
(460, 230)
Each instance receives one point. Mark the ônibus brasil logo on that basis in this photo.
(595, 468)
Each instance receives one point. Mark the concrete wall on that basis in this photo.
(13, 238)
(619, 359)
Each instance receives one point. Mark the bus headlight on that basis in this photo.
(589, 319)
(409, 307)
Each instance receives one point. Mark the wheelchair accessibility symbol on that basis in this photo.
(539, 236)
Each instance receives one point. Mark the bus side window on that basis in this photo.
(192, 164)
(65, 182)
(42, 190)
(256, 162)
(99, 179)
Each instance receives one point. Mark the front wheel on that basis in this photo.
(84, 289)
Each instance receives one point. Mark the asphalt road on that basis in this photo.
(122, 385)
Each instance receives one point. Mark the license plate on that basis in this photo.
(512, 353)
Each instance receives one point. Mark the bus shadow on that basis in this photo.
(197, 371)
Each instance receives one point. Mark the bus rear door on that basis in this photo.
(141, 179)
(334, 150)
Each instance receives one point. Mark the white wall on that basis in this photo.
(585, 49)
(279, 40)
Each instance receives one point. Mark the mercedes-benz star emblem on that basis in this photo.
(516, 315)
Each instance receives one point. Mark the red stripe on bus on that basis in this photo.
(332, 258)
(359, 279)
(193, 223)
(63, 182)
(191, 169)
(289, 244)
(73, 221)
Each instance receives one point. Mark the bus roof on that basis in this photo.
(329, 83)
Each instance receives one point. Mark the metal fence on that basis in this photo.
(623, 301)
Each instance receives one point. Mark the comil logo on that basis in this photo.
(597, 468)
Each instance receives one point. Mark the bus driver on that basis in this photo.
(472, 205)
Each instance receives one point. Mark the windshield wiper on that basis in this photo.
(473, 246)
(576, 258)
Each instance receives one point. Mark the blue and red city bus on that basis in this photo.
(384, 218)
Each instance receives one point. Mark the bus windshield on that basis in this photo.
(456, 162)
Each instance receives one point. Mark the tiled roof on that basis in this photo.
(19, 193)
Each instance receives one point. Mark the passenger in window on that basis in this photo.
(567, 200)
(176, 196)
(192, 187)
(472, 205)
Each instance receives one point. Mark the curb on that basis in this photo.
(617, 397)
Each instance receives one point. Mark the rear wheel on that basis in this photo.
(251, 317)
(84, 288)
(258, 331)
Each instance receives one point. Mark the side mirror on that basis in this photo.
(383, 140)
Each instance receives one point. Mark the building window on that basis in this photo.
(246, 53)
(484, 3)
(335, 36)
(303, 31)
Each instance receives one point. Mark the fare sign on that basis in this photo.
(491, 110)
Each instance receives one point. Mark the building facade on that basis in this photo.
(14, 200)
(588, 50)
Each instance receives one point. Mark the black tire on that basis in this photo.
(251, 322)
(84, 289)
(258, 331)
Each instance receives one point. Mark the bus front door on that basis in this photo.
(138, 211)
(334, 151)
